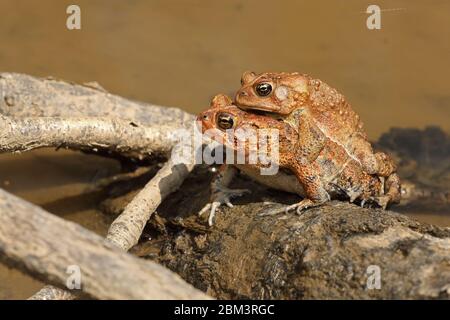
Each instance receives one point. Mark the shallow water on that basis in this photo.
(181, 53)
(59, 182)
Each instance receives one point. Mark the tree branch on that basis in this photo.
(112, 135)
(53, 113)
(44, 246)
(26, 96)
(126, 230)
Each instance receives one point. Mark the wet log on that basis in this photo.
(45, 246)
(336, 251)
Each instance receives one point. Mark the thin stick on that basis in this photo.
(126, 230)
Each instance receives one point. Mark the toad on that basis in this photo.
(314, 166)
(296, 97)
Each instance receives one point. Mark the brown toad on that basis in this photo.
(319, 169)
(296, 97)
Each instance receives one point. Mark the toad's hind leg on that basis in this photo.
(373, 163)
(392, 188)
(390, 195)
(386, 165)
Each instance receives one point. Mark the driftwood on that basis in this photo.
(45, 246)
(26, 96)
(328, 252)
(34, 122)
(111, 135)
(126, 230)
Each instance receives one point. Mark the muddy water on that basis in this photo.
(180, 53)
(61, 182)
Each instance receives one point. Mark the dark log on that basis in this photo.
(324, 253)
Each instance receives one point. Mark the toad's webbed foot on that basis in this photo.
(392, 189)
(298, 207)
(222, 195)
(381, 201)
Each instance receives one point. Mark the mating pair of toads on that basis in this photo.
(322, 146)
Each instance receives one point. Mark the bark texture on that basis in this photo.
(52, 293)
(126, 230)
(51, 113)
(91, 134)
(325, 253)
(26, 96)
(45, 246)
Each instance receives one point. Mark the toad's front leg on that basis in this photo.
(220, 193)
(315, 192)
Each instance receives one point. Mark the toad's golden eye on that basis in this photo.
(225, 121)
(263, 89)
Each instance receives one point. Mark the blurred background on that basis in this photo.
(181, 53)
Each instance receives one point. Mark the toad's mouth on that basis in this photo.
(260, 107)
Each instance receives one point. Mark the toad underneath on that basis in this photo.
(314, 166)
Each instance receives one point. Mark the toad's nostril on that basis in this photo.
(243, 93)
(205, 116)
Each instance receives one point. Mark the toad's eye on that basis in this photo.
(263, 89)
(225, 121)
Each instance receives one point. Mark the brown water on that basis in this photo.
(181, 53)
(59, 182)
